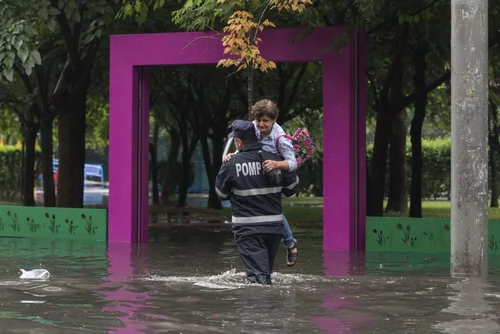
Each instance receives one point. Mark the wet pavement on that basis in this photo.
(189, 280)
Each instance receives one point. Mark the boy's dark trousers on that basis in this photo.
(257, 253)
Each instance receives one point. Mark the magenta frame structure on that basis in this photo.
(344, 121)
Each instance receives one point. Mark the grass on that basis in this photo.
(312, 217)
(442, 209)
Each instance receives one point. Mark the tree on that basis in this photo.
(81, 29)
(240, 37)
(18, 54)
(494, 128)
(178, 102)
(416, 135)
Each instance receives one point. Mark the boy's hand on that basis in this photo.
(270, 165)
(227, 158)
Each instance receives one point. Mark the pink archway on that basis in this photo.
(344, 123)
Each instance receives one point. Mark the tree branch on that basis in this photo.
(24, 77)
(77, 26)
(398, 57)
(410, 99)
(300, 111)
(296, 84)
(43, 82)
(194, 143)
(223, 106)
(374, 89)
(9, 101)
(22, 117)
(67, 35)
(87, 65)
(260, 21)
(61, 88)
(176, 104)
(395, 19)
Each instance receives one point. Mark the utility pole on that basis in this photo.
(469, 137)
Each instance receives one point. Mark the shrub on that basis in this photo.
(11, 168)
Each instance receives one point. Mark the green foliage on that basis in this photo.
(97, 119)
(139, 9)
(10, 167)
(9, 125)
(436, 174)
(201, 15)
(17, 46)
(25, 25)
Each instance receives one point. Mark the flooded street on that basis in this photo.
(190, 280)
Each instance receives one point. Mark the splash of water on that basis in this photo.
(232, 279)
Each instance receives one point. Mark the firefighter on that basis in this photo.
(255, 198)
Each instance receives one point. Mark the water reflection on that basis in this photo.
(475, 313)
(123, 299)
(335, 303)
(339, 263)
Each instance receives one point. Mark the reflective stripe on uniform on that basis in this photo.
(257, 219)
(294, 183)
(220, 193)
(257, 191)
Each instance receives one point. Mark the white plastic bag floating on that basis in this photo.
(35, 274)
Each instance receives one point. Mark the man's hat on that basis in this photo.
(243, 130)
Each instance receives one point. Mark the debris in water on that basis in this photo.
(35, 274)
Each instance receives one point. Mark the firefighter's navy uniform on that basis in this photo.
(257, 216)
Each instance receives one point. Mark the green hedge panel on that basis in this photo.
(65, 223)
(428, 235)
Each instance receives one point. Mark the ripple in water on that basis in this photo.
(232, 279)
(12, 283)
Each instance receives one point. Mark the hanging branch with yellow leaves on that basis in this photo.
(241, 41)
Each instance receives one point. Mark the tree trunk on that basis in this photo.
(217, 150)
(71, 135)
(416, 136)
(185, 176)
(494, 178)
(49, 192)
(170, 179)
(154, 173)
(213, 202)
(493, 143)
(379, 160)
(397, 199)
(387, 112)
(369, 200)
(29, 165)
(188, 149)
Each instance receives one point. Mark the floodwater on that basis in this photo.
(190, 280)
